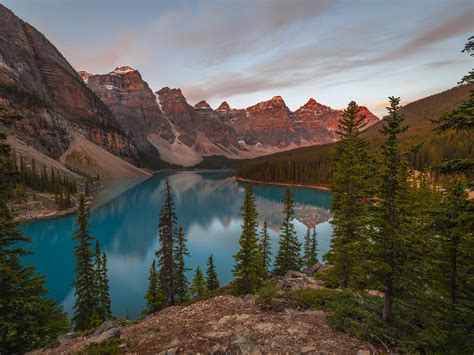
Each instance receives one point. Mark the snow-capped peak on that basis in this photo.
(123, 70)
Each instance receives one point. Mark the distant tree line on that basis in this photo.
(314, 165)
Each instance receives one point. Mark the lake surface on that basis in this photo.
(125, 218)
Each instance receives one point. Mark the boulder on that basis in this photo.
(63, 339)
(310, 271)
(242, 344)
(280, 304)
(291, 274)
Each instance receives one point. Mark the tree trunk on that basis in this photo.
(388, 301)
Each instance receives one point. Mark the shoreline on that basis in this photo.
(317, 187)
(38, 216)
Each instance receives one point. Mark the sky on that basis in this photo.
(247, 51)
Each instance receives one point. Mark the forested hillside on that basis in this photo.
(312, 165)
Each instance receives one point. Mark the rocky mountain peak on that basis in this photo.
(312, 103)
(369, 116)
(278, 100)
(84, 75)
(202, 105)
(123, 70)
(223, 107)
(173, 103)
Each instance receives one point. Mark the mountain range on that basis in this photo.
(182, 134)
(111, 124)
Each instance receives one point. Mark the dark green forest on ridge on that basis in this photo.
(312, 165)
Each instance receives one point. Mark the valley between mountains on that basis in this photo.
(114, 125)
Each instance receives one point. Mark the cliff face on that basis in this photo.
(133, 104)
(271, 123)
(37, 81)
(266, 123)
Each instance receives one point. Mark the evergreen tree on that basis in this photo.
(28, 320)
(181, 282)
(454, 263)
(247, 278)
(351, 176)
(288, 257)
(85, 307)
(394, 240)
(155, 298)
(265, 251)
(212, 280)
(310, 256)
(102, 284)
(87, 189)
(167, 232)
(198, 287)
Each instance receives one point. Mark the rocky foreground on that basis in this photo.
(227, 325)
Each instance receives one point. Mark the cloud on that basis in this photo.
(217, 31)
(126, 49)
(456, 25)
(326, 59)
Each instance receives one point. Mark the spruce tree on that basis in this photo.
(85, 307)
(454, 262)
(155, 298)
(211, 275)
(180, 252)
(198, 288)
(247, 277)
(288, 257)
(310, 255)
(167, 236)
(350, 184)
(393, 240)
(102, 284)
(87, 189)
(265, 251)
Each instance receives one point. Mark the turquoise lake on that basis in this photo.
(124, 219)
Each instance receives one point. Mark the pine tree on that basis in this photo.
(212, 280)
(288, 257)
(394, 241)
(102, 284)
(155, 299)
(310, 256)
(198, 287)
(87, 189)
(265, 251)
(167, 232)
(85, 307)
(454, 262)
(350, 183)
(247, 278)
(181, 282)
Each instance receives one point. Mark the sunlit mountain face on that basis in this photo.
(126, 220)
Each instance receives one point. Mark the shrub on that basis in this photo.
(107, 347)
(308, 298)
(268, 291)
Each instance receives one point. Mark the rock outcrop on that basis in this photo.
(267, 123)
(227, 325)
(133, 104)
(38, 82)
